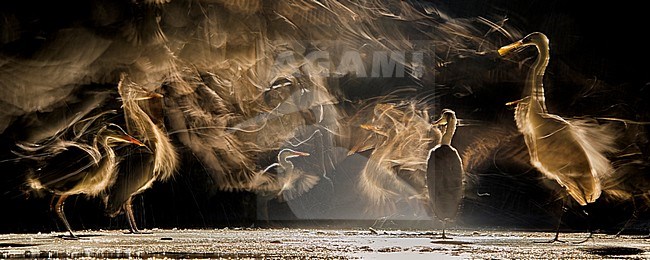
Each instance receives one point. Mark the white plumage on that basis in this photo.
(571, 152)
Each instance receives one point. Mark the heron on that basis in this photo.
(287, 183)
(445, 173)
(76, 168)
(141, 167)
(569, 151)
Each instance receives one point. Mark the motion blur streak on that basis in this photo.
(232, 83)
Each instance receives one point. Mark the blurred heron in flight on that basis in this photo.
(71, 168)
(142, 167)
(400, 137)
(569, 151)
(285, 183)
(445, 173)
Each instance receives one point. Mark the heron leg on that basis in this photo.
(633, 217)
(133, 227)
(444, 227)
(128, 210)
(557, 228)
(591, 232)
(58, 207)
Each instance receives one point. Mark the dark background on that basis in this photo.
(589, 40)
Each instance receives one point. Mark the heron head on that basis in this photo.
(446, 116)
(533, 39)
(289, 153)
(117, 134)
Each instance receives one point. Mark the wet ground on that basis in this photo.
(319, 243)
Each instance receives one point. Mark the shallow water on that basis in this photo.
(318, 243)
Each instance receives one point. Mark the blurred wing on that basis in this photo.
(264, 182)
(63, 169)
(48, 78)
(200, 119)
(561, 151)
(597, 140)
(295, 183)
(382, 186)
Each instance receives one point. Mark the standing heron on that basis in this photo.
(569, 151)
(445, 173)
(141, 167)
(76, 168)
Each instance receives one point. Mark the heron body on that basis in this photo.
(560, 155)
(445, 181)
(92, 171)
(445, 173)
(570, 152)
(84, 175)
(140, 168)
(128, 184)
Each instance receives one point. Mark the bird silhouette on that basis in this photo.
(140, 167)
(445, 173)
(570, 151)
(71, 167)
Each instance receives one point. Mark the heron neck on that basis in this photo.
(535, 78)
(287, 165)
(139, 124)
(138, 121)
(283, 161)
(449, 131)
(105, 143)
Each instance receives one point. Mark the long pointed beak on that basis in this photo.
(441, 121)
(132, 140)
(513, 103)
(516, 102)
(368, 127)
(296, 153)
(508, 48)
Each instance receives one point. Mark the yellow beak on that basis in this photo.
(441, 121)
(508, 48)
(368, 127)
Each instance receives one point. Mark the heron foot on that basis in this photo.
(554, 240)
(69, 237)
(591, 236)
(444, 236)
